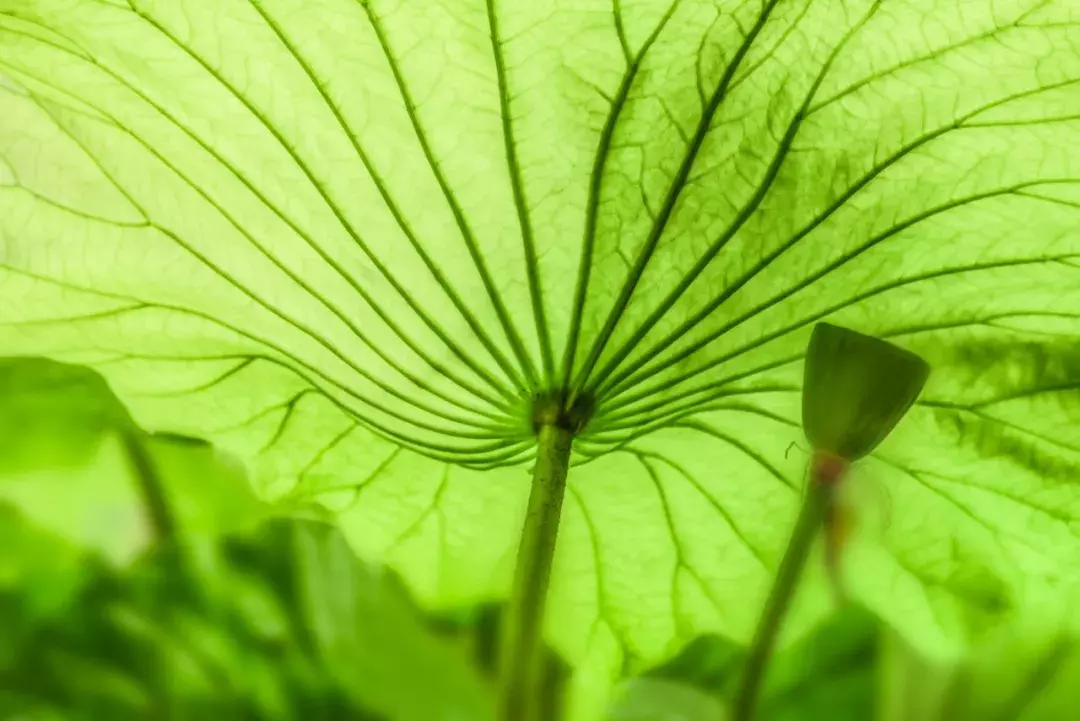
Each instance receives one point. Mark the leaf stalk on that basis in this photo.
(523, 648)
(811, 515)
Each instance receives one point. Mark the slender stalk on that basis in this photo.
(802, 538)
(522, 650)
(162, 524)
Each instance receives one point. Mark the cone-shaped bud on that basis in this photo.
(855, 390)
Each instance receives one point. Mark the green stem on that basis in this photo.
(522, 650)
(809, 521)
(152, 490)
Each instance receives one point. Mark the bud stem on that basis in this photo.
(811, 515)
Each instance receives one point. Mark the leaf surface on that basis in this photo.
(350, 240)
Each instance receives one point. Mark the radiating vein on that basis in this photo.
(603, 610)
(597, 381)
(668, 206)
(316, 184)
(302, 368)
(511, 333)
(277, 263)
(633, 373)
(935, 55)
(596, 182)
(231, 279)
(407, 230)
(532, 272)
(729, 520)
(745, 449)
(680, 549)
(671, 382)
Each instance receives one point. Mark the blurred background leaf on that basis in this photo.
(141, 578)
(281, 622)
(54, 411)
(828, 674)
(1029, 671)
(73, 461)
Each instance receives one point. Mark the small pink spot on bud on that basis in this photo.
(828, 468)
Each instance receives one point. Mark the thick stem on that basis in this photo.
(783, 590)
(522, 649)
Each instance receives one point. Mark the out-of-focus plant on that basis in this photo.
(212, 610)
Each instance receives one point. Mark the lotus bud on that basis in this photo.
(855, 390)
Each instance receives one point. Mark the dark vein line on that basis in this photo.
(815, 317)
(1054, 513)
(336, 311)
(748, 210)
(99, 315)
(406, 228)
(609, 445)
(516, 455)
(675, 123)
(988, 418)
(620, 30)
(1049, 199)
(791, 28)
(320, 189)
(505, 321)
(626, 377)
(603, 611)
(632, 418)
(680, 552)
(1027, 393)
(301, 368)
(935, 54)
(432, 507)
(283, 424)
(357, 487)
(699, 76)
(716, 505)
(306, 329)
(921, 478)
(517, 188)
(808, 280)
(326, 450)
(1025, 122)
(592, 205)
(749, 452)
(51, 34)
(668, 207)
(45, 200)
(263, 413)
(205, 386)
(606, 411)
(229, 278)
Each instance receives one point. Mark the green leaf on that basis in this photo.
(360, 622)
(53, 413)
(351, 241)
(829, 674)
(72, 460)
(280, 622)
(1023, 672)
(39, 574)
(653, 699)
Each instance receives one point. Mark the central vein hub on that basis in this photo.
(554, 408)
